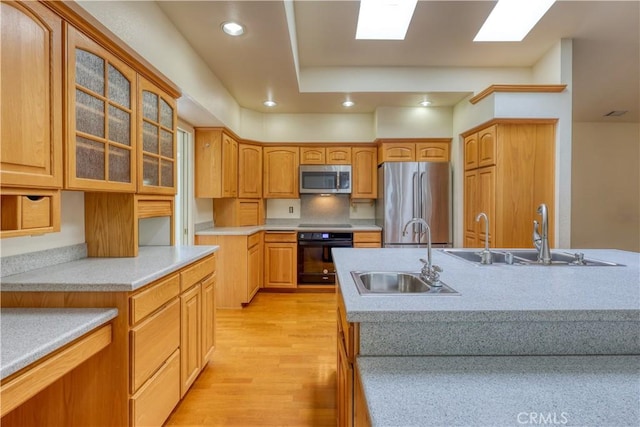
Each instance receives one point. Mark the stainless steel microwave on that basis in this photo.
(332, 179)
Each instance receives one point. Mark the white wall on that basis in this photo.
(606, 186)
(71, 229)
(414, 122)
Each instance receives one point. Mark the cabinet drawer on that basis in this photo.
(36, 211)
(152, 341)
(155, 296)
(253, 240)
(283, 237)
(366, 237)
(196, 272)
(153, 403)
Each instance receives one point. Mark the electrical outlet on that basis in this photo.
(290, 209)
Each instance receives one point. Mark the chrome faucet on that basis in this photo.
(430, 273)
(541, 242)
(486, 257)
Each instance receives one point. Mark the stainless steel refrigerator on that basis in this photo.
(414, 190)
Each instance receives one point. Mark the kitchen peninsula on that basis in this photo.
(160, 306)
(560, 340)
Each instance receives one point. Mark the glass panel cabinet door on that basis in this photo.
(101, 109)
(157, 133)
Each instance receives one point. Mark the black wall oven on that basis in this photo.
(315, 263)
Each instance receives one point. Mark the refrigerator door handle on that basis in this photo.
(422, 193)
(416, 204)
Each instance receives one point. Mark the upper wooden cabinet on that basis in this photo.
(432, 151)
(311, 155)
(31, 95)
(397, 152)
(101, 112)
(280, 172)
(338, 155)
(514, 175)
(249, 171)
(318, 155)
(364, 173)
(157, 140)
(216, 161)
(414, 150)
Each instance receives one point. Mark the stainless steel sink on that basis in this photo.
(396, 283)
(473, 255)
(529, 257)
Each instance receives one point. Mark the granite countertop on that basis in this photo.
(496, 292)
(502, 391)
(108, 274)
(285, 226)
(29, 334)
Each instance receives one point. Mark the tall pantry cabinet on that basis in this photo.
(509, 172)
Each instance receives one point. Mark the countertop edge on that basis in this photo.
(92, 318)
(176, 257)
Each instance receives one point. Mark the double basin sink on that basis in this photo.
(528, 257)
(397, 283)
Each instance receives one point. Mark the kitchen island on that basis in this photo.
(516, 315)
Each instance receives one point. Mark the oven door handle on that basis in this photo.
(347, 244)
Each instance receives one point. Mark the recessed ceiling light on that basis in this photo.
(511, 20)
(348, 104)
(269, 103)
(384, 19)
(425, 103)
(232, 28)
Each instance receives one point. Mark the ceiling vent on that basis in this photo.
(616, 113)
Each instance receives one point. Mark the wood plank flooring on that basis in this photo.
(274, 365)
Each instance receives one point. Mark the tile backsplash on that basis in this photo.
(320, 209)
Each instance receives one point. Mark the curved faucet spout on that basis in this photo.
(422, 222)
(430, 273)
(486, 256)
(541, 239)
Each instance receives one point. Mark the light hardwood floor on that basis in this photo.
(274, 365)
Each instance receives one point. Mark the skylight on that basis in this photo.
(384, 19)
(511, 20)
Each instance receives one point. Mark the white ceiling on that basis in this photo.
(332, 65)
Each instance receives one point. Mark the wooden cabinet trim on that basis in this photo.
(517, 89)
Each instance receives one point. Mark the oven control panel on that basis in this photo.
(324, 236)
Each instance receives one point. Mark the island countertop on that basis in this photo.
(108, 274)
(496, 293)
(501, 391)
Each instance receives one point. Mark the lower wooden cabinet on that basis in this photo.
(360, 408)
(280, 260)
(367, 239)
(208, 318)
(240, 267)
(190, 337)
(162, 329)
(348, 335)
